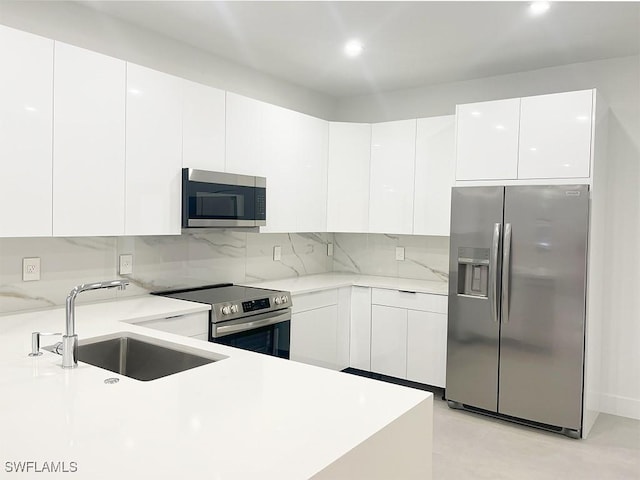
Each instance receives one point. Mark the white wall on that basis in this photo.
(618, 80)
(84, 27)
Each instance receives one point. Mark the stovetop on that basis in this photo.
(230, 301)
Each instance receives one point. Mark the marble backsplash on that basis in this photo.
(159, 262)
(426, 258)
(163, 262)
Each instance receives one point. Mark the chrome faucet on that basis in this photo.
(70, 339)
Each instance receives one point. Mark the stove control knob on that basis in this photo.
(277, 300)
(226, 310)
(284, 299)
(234, 308)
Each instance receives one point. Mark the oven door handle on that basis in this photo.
(221, 331)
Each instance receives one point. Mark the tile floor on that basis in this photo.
(472, 446)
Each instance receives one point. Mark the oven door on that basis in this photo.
(267, 333)
(212, 199)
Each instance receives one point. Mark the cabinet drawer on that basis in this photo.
(313, 300)
(190, 325)
(412, 301)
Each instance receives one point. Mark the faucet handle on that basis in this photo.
(35, 342)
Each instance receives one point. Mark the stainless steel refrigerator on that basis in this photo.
(517, 292)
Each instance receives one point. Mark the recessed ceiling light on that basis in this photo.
(353, 48)
(538, 8)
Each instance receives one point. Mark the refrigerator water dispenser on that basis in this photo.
(473, 271)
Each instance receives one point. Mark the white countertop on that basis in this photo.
(248, 416)
(325, 281)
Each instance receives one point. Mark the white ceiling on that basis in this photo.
(407, 44)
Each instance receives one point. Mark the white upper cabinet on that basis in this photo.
(203, 127)
(310, 176)
(348, 177)
(279, 157)
(487, 140)
(392, 177)
(89, 143)
(555, 135)
(434, 175)
(26, 105)
(153, 152)
(244, 136)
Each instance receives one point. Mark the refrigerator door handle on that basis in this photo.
(493, 272)
(506, 270)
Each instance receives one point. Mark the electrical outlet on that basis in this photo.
(277, 253)
(330, 249)
(30, 269)
(399, 253)
(126, 264)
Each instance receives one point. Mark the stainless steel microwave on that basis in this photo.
(217, 199)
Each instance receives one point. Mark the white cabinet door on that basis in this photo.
(189, 325)
(434, 175)
(26, 105)
(427, 348)
(389, 341)
(310, 174)
(392, 174)
(89, 143)
(154, 152)
(203, 131)
(487, 140)
(555, 135)
(348, 177)
(360, 335)
(243, 130)
(279, 148)
(314, 336)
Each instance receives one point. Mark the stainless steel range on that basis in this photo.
(250, 318)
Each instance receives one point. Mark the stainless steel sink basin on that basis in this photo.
(141, 357)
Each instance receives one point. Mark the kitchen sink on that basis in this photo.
(141, 357)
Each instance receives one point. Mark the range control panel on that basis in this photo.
(228, 310)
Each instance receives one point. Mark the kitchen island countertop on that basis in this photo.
(245, 417)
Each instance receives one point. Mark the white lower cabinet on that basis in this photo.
(320, 328)
(409, 335)
(194, 325)
(427, 347)
(389, 341)
(360, 329)
(313, 336)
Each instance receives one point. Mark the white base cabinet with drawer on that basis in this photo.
(320, 328)
(409, 335)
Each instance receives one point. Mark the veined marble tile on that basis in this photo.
(368, 254)
(301, 254)
(217, 257)
(426, 258)
(64, 263)
(159, 262)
